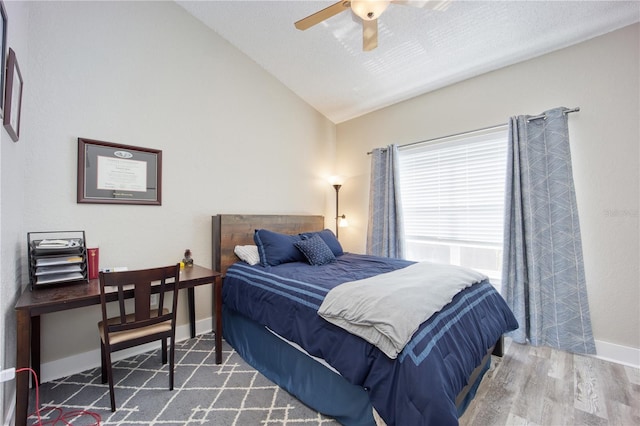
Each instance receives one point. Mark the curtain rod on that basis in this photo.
(576, 109)
(569, 111)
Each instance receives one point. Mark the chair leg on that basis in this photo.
(172, 357)
(110, 375)
(103, 363)
(164, 351)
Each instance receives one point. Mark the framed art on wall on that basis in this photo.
(13, 97)
(110, 173)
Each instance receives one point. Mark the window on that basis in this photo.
(452, 194)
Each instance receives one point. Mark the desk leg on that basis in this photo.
(192, 310)
(35, 349)
(217, 304)
(23, 320)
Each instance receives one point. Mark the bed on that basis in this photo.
(270, 317)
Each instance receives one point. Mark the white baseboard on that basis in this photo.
(85, 361)
(619, 354)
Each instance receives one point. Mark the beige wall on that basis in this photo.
(234, 140)
(12, 158)
(600, 76)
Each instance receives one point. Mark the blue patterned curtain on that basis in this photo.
(543, 273)
(385, 231)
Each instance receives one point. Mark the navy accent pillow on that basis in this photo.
(316, 250)
(329, 238)
(275, 248)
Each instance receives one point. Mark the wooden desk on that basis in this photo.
(32, 304)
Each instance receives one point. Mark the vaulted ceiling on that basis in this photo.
(419, 49)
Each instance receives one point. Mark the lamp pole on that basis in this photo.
(337, 187)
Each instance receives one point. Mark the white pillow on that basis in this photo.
(248, 254)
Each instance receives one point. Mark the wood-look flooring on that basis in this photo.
(543, 386)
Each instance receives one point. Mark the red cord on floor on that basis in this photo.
(65, 418)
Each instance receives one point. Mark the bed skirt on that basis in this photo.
(299, 374)
(307, 379)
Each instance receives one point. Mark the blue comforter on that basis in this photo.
(417, 388)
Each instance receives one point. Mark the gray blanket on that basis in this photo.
(387, 309)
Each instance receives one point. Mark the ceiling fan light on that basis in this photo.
(369, 9)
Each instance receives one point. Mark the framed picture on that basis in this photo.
(13, 97)
(110, 173)
(3, 57)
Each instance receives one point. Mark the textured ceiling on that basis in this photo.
(419, 50)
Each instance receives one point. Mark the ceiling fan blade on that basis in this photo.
(369, 34)
(323, 14)
(426, 4)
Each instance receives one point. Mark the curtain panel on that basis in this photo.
(543, 269)
(385, 229)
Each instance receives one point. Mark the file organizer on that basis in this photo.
(57, 257)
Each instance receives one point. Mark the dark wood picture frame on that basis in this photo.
(3, 54)
(13, 97)
(110, 173)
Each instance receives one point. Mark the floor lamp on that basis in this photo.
(341, 220)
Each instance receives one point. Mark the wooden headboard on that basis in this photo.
(230, 230)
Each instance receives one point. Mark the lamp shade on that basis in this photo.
(369, 9)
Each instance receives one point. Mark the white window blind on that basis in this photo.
(452, 193)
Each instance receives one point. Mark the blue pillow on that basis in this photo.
(275, 248)
(316, 250)
(329, 238)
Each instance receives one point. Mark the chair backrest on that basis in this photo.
(141, 284)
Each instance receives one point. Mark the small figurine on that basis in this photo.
(188, 261)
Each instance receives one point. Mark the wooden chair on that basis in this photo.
(144, 324)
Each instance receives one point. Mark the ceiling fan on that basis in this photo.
(369, 11)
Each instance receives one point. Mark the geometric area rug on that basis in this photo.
(230, 394)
